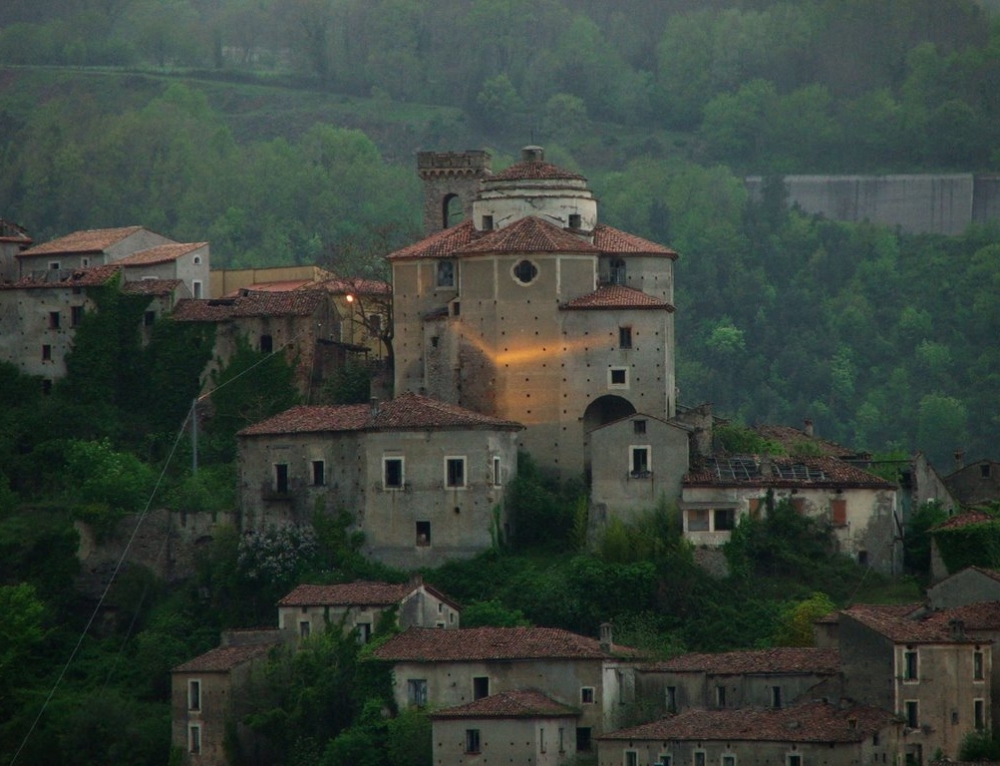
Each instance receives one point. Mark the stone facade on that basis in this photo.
(975, 484)
(425, 481)
(451, 181)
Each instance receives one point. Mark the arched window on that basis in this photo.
(452, 211)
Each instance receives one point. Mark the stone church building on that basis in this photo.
(532, 310)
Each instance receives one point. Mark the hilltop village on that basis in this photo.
(521, 323)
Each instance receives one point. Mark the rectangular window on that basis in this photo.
(445, 274)
(725, 519)
(665, 759)
(480, 687)
(53, 320)
(979, 714)
(392, 472)
(196, 288)
(319, 473)
(640, 463)
(776, 696)
(720, 696)
(266, 344)
(75, 315)
(416, 691)
(497, 474)
(194, 695)
(624, 337)
(149, 318)
(364, 632)
(562, 740)
(583, 739)
(618, 377)
(194, 738)
(631, 758)
(454, 472)
(793, 759)
(423, 533)
(55, 265)
(472, 740)
(587, 695)
(671, 700)
(487, 223)
(697, 520)
(977, 666)
(699, 758)
(46, 353)
(728, 759)
(281, 478)
(912, 714)
(638, 426)
(575, 221)
(541, 739)
(910, 672)
(838, 512)
(305, 629)
(374, 323)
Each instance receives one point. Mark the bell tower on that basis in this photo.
(451, 183)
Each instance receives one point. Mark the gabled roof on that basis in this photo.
(792, 438)
(965, 519)
(519, 703)
(982, 615)
(266, 304)
(808, 722)
(483, 644)
(612, 241)
(780, 471)
(528, 235)
(89, 241)
(91, 277)
(906, 624)
(151, 286)
(356, 286)
(222, 659)
(406, 411)
(160, 254)
(754, 661)
(360, 593)
(442, 244)
(608, 297)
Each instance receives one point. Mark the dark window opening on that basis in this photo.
(912, 714)
(472, 740)
(487, 223)
(46, 387)
(416, 691)
(776, 696)
(75, 315)
(617, 274)
(984, 470)
(319, 473)
(393, 473)
(671, 699)
(53, 320)
(281, 478)
(725, 519)
(863, 558)
(456, 308)
(480, 687)
(194, 695)
(423, 533)
(455, 472)
(46, 353)
(639, 426)
(575, 221)
(266, 344)
(640, 462)
(618, 377)
(587, 695)
(445, 274)
(148, 318)
(910, 665)
(720, 696)
(624, 337)
(583, 739)
(525, 272)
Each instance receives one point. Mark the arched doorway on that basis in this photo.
(604, 409)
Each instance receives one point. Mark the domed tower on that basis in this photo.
(451, 182)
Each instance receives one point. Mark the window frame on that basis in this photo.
(911, 666)
(633, 451)
(497, 477)
(416, 692)
(588, 695)
(55, 320)
(318, 473)
(522, 266)
(699, 758)
(793, 759)
(625, 337)
(194, 694)
(480, 687)
(978, 713)
(281, 478)
(670, 699)
(444, 273)
(386, 460)
(46, 352)
(611, 377)
(422, 528)
(978, 666)
(454, 460)
(473, 742)
(727, 759)
(196, 291)
(630, 758)
(194, 738)
(75, 315)
(911, 712)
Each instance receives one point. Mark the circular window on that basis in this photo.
(525, 272)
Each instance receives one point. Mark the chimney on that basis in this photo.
(807, 426)
(374, 404)
(959, 459)
(607, 645)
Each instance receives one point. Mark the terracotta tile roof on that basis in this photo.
(92, 277)
(151, 286)
(90, 241)
(442, 244)
(533, 170)
(965, 519)
(224, 658)
(903, 623)
(483, 644)
(755, 661)
(616, 297)
(266, 304)
(160, 254)
(11, 232)
(981, 615)
(406, 411)
(519, 703)
(271, 287)
(613, 241)
(356, 286)
(808, 722)
(785, 471)
(791, 438)
(528, 235)
(348, 594)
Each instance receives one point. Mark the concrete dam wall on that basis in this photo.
(937, 204)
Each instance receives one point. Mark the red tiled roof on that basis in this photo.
(616, 242)
(90, 241)
(755, 661)
(356, 286)
(903, 624)
(442, 244)
(808, 722)
(92, 277)
(160, 254)
(528, 235)
(478, 644)
(348, 594)
(519, 703)
(617, 297)
(11, 232)
(791, 438)
(272, 287)
(965, 519)
(151, 286)
(224, 658)
(982, 615)
(266, 304)
(533, 170)
(408, 410)
(785, 471)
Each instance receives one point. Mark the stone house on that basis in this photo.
(808, 734)
(448, 668)
(206, 690)
(13, 240)
(531, 309)
(359, 606)
(860, 507)
(424, 480)
(974, 484)
(522, 726)
(757, 678)
(227, 283)
(925, 667)
(299, 323)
